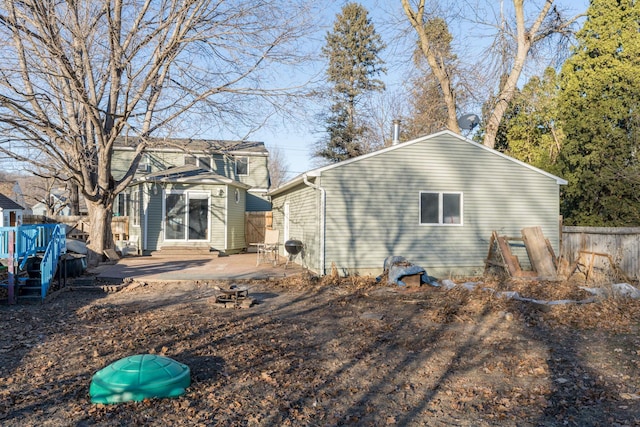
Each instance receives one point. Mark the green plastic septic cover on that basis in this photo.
(139, 377)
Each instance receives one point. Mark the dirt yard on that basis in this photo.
(329, 353)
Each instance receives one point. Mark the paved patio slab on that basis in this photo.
(198, 267)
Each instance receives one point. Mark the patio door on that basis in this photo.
(186, 216)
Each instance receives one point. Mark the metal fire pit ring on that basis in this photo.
(234, 295)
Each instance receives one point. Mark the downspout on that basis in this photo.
(323, 197)
(145, 227)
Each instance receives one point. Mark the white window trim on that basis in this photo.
(440, 222)
(165, 193)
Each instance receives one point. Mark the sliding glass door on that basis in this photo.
(186, 216)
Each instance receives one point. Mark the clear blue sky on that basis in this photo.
(296, 139)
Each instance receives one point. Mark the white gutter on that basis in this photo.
(323, 197)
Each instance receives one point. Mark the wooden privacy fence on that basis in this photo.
(78, 226)
(255, 225)
(621, 244)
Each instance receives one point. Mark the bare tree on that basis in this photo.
(76, 75)
(49, 191)
(519, 36)
(434, 41)
(381, 109)
(277, 167)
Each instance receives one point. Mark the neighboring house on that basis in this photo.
(12, 190)
(59, 202)
(10, 212)
(195, 197)
(434, 200)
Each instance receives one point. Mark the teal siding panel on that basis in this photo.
(373, 206)
(255, 203)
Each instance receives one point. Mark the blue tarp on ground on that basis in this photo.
(398, 267)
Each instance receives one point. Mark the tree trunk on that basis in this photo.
(436, 62)
(74, 199)
(100, 236)
(525, 38)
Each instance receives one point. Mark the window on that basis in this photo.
(202, 162)
(135, 207)
(187, 216)
(242, 165)
(121, 205)
(440, 208)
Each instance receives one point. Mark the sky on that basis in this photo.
(296, 139)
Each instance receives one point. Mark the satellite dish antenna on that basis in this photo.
(468, 121)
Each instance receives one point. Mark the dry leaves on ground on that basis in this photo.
(328, 352)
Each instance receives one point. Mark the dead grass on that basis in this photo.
(329, 352)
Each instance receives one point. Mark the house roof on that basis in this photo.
(200, 145)
(188, 174)
(8, 204)
(318, 171)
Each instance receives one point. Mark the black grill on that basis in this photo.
(293, 247)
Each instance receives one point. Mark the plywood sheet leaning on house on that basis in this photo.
(540, 253)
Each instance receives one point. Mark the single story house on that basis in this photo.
(10, 212)
(434, 200)
(12, 190)
(58, 201)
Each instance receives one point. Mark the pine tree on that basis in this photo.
(352, 50)
(600, 106)
(532, 130)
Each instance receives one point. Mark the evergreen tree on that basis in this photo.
(352, 50)
(600, 103)
(531, 130)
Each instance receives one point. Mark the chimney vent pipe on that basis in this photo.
(396, 132)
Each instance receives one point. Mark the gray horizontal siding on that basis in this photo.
(373, 206)
(235, 223)
(217, 214)
(304, 222)
(153, 220)
(258, 176)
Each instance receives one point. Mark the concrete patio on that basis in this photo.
(193, 267)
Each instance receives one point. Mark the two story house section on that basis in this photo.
(192, 192)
